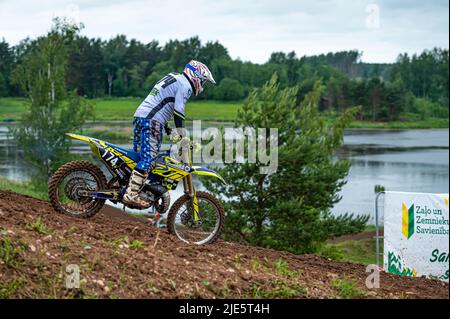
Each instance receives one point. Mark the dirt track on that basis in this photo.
(111, 266)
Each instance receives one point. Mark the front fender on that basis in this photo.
(203, 171)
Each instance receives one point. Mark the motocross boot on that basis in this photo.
(131, 195)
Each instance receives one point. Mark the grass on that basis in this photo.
(136, 244)
(414, 124)
(347, 288)
(39, 226)
(23, 188)
(282, 267)
(287, 284)
(280, 289)
(11, 108)
(361, 251)
(126, 243)
(122, 109)
(8, 289)
(112, 135)
(9, 252)
(409, 121)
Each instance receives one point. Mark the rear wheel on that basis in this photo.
(65, 189)
(207, 229)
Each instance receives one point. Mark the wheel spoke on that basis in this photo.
(69, 184)
(201, 231)
(69, 191)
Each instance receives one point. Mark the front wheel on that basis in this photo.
(205, 229)
(66, 186)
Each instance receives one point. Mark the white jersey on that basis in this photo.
(169, 95)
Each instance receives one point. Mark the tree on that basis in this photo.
(6, 66)
(180, 52)
(290, 61)
(425, 108)
(3, 86)
(396, 100)
(229, 90)
(289, 209)
(425, 75)
(128, 67)
(211, 51)
(51, 110)
(345, 61)
(113, 52)
(375, 91)
(85, 68)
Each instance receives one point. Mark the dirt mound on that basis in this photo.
(119, 256)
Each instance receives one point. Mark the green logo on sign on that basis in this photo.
(396, 266)
(407, 221)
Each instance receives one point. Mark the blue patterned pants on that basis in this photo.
(147, 137)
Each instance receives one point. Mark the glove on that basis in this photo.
(168, 130)
(175, 137)
(196, 147)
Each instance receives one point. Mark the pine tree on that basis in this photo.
(288, 209)
(51, 111)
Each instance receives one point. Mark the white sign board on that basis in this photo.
(416, 234)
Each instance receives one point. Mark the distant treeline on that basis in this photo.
(416, 86)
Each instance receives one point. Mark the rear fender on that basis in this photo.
(94, 143)
(119, 164)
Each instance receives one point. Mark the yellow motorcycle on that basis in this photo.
(80, 189)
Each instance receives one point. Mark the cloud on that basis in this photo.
(250, 29)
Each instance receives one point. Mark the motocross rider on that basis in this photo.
(167, 99)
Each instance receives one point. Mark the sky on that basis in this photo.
(250, 29)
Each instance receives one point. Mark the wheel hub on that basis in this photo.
(73, 189)
(187, 219)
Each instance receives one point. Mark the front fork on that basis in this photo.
(187, 180)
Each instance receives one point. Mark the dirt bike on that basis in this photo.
(80, 189)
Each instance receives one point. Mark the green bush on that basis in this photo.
(229, 90)
(331, 252)
(379, 189)
(346, 224)
(425, 108)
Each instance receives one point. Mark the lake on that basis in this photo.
(399, 160)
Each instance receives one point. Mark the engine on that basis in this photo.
(158, 196)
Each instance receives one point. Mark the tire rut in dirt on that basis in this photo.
(183, 199)
(64, 171)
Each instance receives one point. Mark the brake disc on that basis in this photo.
(187, 219)
(73, 188)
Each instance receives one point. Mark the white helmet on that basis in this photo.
(198, 73)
